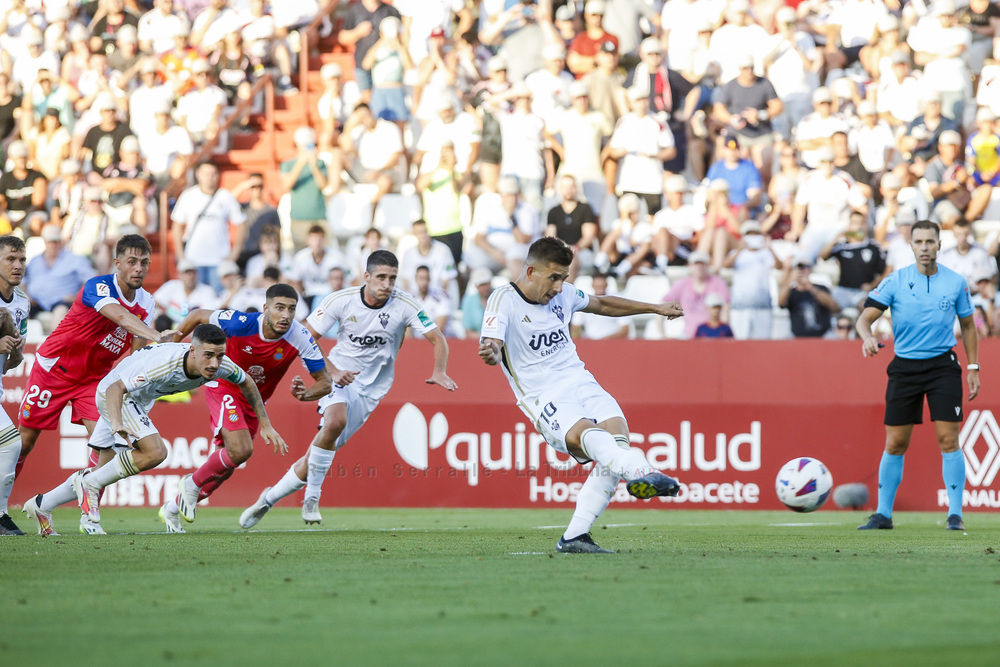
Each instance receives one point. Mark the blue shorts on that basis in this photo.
(363, 77)
(389, 104)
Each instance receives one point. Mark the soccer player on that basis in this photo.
(526, 328)
(266, 344)
(373, 318)
(111, 314)
(924, 299)
(14, 307)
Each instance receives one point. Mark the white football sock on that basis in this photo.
(120, 467)
(60, 495)
(592, 500)
(171, 506)
(286, 486)
(614, 454)
(320, 461)
(10, 449)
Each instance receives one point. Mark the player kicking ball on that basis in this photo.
(124, 399)
(526, 326)
(266, 343)
(373, 319)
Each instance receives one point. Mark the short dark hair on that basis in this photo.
(208, 333)
(255, 174)
(381, 258)
(15, 243)
(271, 231)
(272, 273)
(317, 229)
(927, 224)
(423, 267)
(206, 162)
(551, 250)
(282, 290)
(135, 242)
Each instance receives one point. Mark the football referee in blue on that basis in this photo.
(924, 299)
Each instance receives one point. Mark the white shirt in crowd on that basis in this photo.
(313, 275)
(207, 219)
(377, 147)
(639, 171)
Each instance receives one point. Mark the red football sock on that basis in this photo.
(213, 472)
(92, 461)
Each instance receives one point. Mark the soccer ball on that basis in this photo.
(804, 484)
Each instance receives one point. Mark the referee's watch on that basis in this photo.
(972, 367)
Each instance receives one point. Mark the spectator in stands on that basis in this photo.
(422, 21)
(573, 221)
(97, 84)
(432, 300)
(373, 149)
(861, 261)
(437, 76)
(599, 327)
(949, 181)
(166, 148)
(56, 33)
(440, 194)
(270, 254)
(750, 307)
(304, 178)
(126, 59)
(265, 42)
(211, 26)
(183, 294)
(435, 255)
(920, 142)
(176, 64)
(357, 258)
(490, 155)
(713, 326)
(518, 29)
(234, 292)
(201, 220)
(45, 94)
(474, 302)
(360, 30)
(76, 59)
(899, 252)
(848, 162)
(583, 49)
(66, 192)
(939, 46)
(260, 214)
(693, 292)
(738, 41)
(899, 93)
(101, 145)
(823, 205)
(810, 306)
(982, 150)
(199, 111)
(582, 132)
(885, 43)
(627, 247)
(111, 23)
(157, 26)
(967, 257)
(10, 109)
(815, 131)
(25, 68)
(334, 107)
(524, 153)
(843, 329)
(48, 143)
(781, 193)
(549, 85)
(311, 265)
(146, 98)
(741, 174)
(641, 145)
(235, 72)
(388, 61)
(791, 63)
(128, 187)
(87, 231)
(676, 226)
(504, 226)
(747, 104)
(606, 84)
(850, 27)
(23, 192)
(872, 139)
(895, 200)
(462, 130)
(721, 232)
(53, 278)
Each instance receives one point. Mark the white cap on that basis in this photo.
(70, 166)
(594, 7)
(508, 185)
(944, 8)
(636, 93)
(554, 52)
(162, 106)
(785, 15)
(822, 94)
(129, 144)
(825, 154)
(950, 137)
(714, 300)
(389, 26)
(127, 33)
(565, 13)
(304, 136)
(185, 265)
(905, 216)
(496, 63)
(481, 276)
(802, 259)
(718, 185)
(675, 183)
(738, 7)
(891, 181)
(32, 37)
(104, 102)
(227, 268)
(628, 203)
(750, 227)
(867, 108)
(59, 13)
(699, 257)
(51, 233)
(579, 89)
(331, 70)
(17, 149)
(985, 114)
(92, 193)
(200, 65)
(888, 23)
(650, 45)
(78, 33)
(745, 60)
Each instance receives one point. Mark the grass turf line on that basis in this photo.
(443, 587)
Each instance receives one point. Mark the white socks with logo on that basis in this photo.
(615, 453)
(320, 461)
(592, 500)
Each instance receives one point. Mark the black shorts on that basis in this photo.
(939, 378)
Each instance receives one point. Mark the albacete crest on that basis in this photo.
(384, 319)
(559, 312)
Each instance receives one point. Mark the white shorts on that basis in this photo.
(359, 408)
(135, 418)
(555, 411)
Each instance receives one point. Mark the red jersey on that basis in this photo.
(86, 344)
(264, 360)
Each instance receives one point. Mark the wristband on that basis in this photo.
(972, 367)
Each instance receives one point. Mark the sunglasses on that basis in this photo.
(844, 327)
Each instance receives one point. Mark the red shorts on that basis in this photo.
(229, 411)
(46, 394)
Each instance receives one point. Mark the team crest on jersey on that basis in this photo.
(279, 353)
(946, 304)
(145, 421)
(233, 418)
(226, 315)
(558, 311)
(554, 425)
(103, 290)
(383, 318)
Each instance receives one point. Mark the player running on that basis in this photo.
(265, 344)
(373, 319)
(111, 314)
(526, 327)
(14, 307)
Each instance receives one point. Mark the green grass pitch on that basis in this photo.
(483, 587)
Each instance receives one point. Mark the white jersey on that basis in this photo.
(538, 351)
(158, 370)
(369, 338)
(18, 307)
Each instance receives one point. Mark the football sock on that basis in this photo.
(120, 467)
(10, 452)
(890, 474)
(60, 495)
(953, 471)
(592, 500)
(94, 458)
(607, 450)
(286, 486)
(171, 506)
(212, 473)
(320, 461)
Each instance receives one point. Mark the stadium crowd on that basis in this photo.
(760, 162)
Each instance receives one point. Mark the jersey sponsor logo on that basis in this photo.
(490, 323)
(103, 290)
(383, 319)
(551, 340)
(367, 340)
(248, 349)
(226, 315)
(243, 318)
(426, 321)
(579, 293)
(257, 373)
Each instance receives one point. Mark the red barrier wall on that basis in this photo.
(722, 416)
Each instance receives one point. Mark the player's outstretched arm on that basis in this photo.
(489, 351)
(970, 340)
(116, 399)
(869, 344)
(126, 320)
(194, 318)
(440, 375)
(320, 388)
(616, 306)
(271, 437)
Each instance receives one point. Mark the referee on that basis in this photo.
(924, 298)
